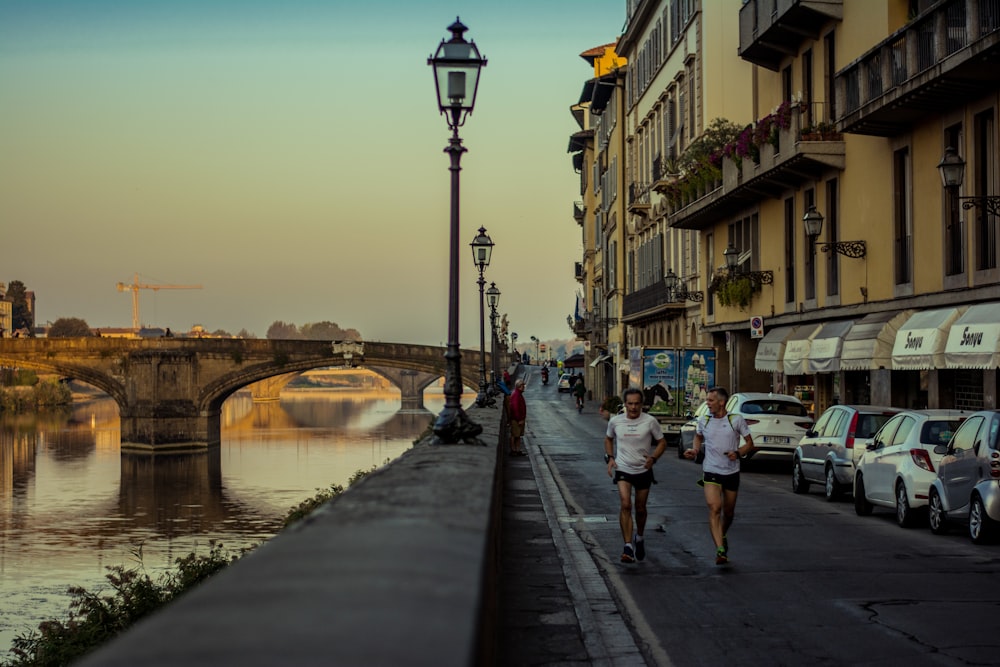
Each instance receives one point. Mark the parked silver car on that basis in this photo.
(828, 452)
(967, 486)
(899, 465)
(777, 421)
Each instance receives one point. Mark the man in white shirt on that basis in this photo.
(630, 456)
(720, 434)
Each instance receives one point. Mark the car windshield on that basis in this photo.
(869, 424)
(938, 431)
(770, 406)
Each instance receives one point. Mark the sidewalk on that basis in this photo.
(537, 617)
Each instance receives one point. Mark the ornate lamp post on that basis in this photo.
(675, 293)
(758, 278)
(456, 76)
(952, 168)
(813, 221)
(482, 250)
(493, 299)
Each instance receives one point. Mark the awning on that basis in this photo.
(602, 93)
(588, 91)
(920, 342)
(974, 339)
(579, 140)
(598, 360)
(824, 353)
(797, 346)
(868, 345)
(771, 348)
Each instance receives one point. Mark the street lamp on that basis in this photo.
(675, 293)
(456, 76)
(813, 222)
(758, 278)
(482, 250)
(493, 299)
(535, 341)
(952, 168)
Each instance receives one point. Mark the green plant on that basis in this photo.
(612, 404)
(237, 356)
(737, 291)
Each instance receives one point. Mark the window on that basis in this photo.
(954, 230)
(984, 174)
(709, 269)
(829, 46)
(790, 227)
(809, 199)
(832, 235)
(744, 235)
(903, 222)
(965, 437)
(807, 87)
(901, 434)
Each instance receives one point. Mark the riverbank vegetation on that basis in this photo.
(24, 392)
(95, 618)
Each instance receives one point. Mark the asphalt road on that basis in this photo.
(809, 582)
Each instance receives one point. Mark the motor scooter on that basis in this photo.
(545, 376)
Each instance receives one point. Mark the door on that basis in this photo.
(958, 469)
(814, 449)
(888, 455)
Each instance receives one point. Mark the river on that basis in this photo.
(71, 504)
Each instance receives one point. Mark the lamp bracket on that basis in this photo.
(855, 249)
(989, 202)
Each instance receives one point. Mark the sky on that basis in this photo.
(289, 158)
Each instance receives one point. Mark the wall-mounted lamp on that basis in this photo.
(675, 293)
(732, 256)
(952, 168)
(813, 221)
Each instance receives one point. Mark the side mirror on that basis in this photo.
(941, 450)
(873, 445)
(811, 433)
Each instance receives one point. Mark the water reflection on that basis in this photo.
(71, 503)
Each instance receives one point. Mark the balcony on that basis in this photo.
(638, 199)
(945, 57)
(802, 154)
(579, 212)
(649, 303)
(771, 30)
(578, 271)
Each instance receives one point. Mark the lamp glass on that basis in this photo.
(493, 295)
(951, 168)
(670, 279)
(456, 74)
(732, 256)
(813, 221)
(482, 249)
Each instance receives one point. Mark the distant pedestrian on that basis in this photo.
(630, 456)
(517, 411)
(719, 433)
(579, 393)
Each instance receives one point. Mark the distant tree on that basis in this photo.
(69, 327)
(328, 331)
(22, 316)
(245, 334)
(222, 333)
(281, 331)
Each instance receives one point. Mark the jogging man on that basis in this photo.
(629, 454)
(719, 433)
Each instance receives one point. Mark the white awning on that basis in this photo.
(868, 345)
(824, 353)
(771, 348)
(974, 339)
(598, 360)
(920, 342)
(797, 348)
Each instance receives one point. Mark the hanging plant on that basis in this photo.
(737, 292)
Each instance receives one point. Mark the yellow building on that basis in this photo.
(895, 299)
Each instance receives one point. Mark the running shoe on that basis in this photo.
(725, 545)
(720, 557)
(627, 555)
(640, 549)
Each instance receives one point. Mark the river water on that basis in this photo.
(71, 504)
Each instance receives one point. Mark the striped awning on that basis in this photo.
(868, 345)
(974, 338)
(921, 341)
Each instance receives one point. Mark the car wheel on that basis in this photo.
(981, 526)
(936, 516)
(799, 483)
(861, 505)
(832, 487)
(904, 514)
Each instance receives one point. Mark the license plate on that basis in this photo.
(776, 440)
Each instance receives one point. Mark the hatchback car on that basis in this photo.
(777, 421)
(967, 486)
(898, 467)
(565, 382)
(829, 450)
(687, 430)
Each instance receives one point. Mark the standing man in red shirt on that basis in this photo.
(517, 410)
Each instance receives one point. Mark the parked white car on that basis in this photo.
(899, 466)
(829, 451)
(967, 487)
(777, 421)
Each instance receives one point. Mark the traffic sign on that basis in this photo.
(756, 327)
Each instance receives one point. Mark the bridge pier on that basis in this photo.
(411, 384)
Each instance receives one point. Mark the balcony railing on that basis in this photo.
(578, 271)
(648, 302)
(944, 57)
(770, 30)
(638, 198)
(579, 211)
(802, 153)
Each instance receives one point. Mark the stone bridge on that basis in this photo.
(170, 391)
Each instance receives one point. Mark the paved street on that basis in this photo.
(809, 582)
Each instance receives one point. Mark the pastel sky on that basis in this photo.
(288, 157)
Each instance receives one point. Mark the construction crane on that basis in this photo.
(135, 286)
